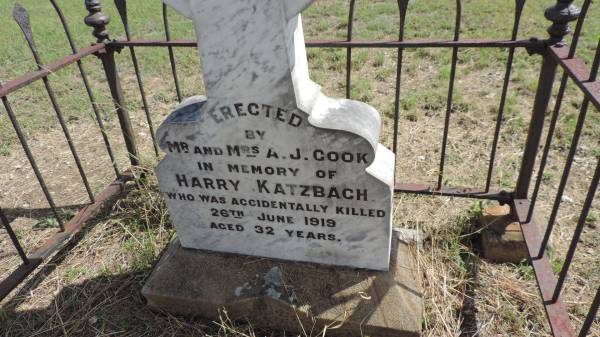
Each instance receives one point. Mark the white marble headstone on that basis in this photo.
(266, 164)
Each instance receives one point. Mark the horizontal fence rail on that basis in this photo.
(20, 82)
(555, 54)
(532, 44)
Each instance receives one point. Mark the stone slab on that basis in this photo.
(502, 239)
(277, 294)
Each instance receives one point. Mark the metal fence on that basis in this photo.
(555, 55)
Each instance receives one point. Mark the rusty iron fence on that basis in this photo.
(555, 55)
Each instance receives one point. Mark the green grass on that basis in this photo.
(51, 221)
(325, 19)
(591, 219)
(361, 89)
(31, 104)
(525, 270)
(5, 150)
(74, 272)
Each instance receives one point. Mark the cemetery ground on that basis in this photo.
(92, 287)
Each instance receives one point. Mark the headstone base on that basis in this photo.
(290, 296)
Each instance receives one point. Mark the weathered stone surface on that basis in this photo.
(501, 239)
(277, 294)
(409, 236)
(266, 164)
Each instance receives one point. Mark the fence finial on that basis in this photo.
(561, 14)
(97, 20)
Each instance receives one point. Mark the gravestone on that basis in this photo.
(266, 164)
(292, 182)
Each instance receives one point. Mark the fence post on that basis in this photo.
(560, 14)
(98, 20)
(536, 126)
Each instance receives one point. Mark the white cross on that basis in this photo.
(252, 48)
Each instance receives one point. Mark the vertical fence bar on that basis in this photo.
(22, 18)
(402, 8)
(544, 158)
(13, 237)
(98, 20)
(560, 14)
(450, 96)
(171, 53)
(587, 205)
(555, 113)
(509, 63)
(349, 49)
(31, 159)
(570, 156)
(114, 83)
(88, 89)
(536, 126)
(591, 316)
(122, 8)
(578, 27)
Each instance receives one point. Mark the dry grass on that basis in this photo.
(92, 288)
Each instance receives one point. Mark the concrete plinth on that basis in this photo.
(290, 296)
(502, 239)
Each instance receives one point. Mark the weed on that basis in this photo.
(444, 73)
(460, 106)
(359, 59)
(65, 214)
(409, 101)
(525, 270)
(361, 90)
(547, 177)
(506, 180)
(555, 262)
(432, 100)
(142, 249)
(379, 59)
(4, 150)
(423, 53)
(48, 222)
(73, 273)
(557, 265)
(411, 116)
(384, 73)
(591, 220)
(476, 210)
(514, 125)
(389, 110)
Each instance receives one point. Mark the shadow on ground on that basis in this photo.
(102, 306)
(106, 305)
(40, 213)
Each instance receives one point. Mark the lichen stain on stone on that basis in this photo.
(239, 290)
(188, 113)
(270, 284)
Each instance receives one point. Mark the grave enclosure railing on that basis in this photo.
(554, 53)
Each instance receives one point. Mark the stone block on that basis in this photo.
(501, 238)
(290, 296)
